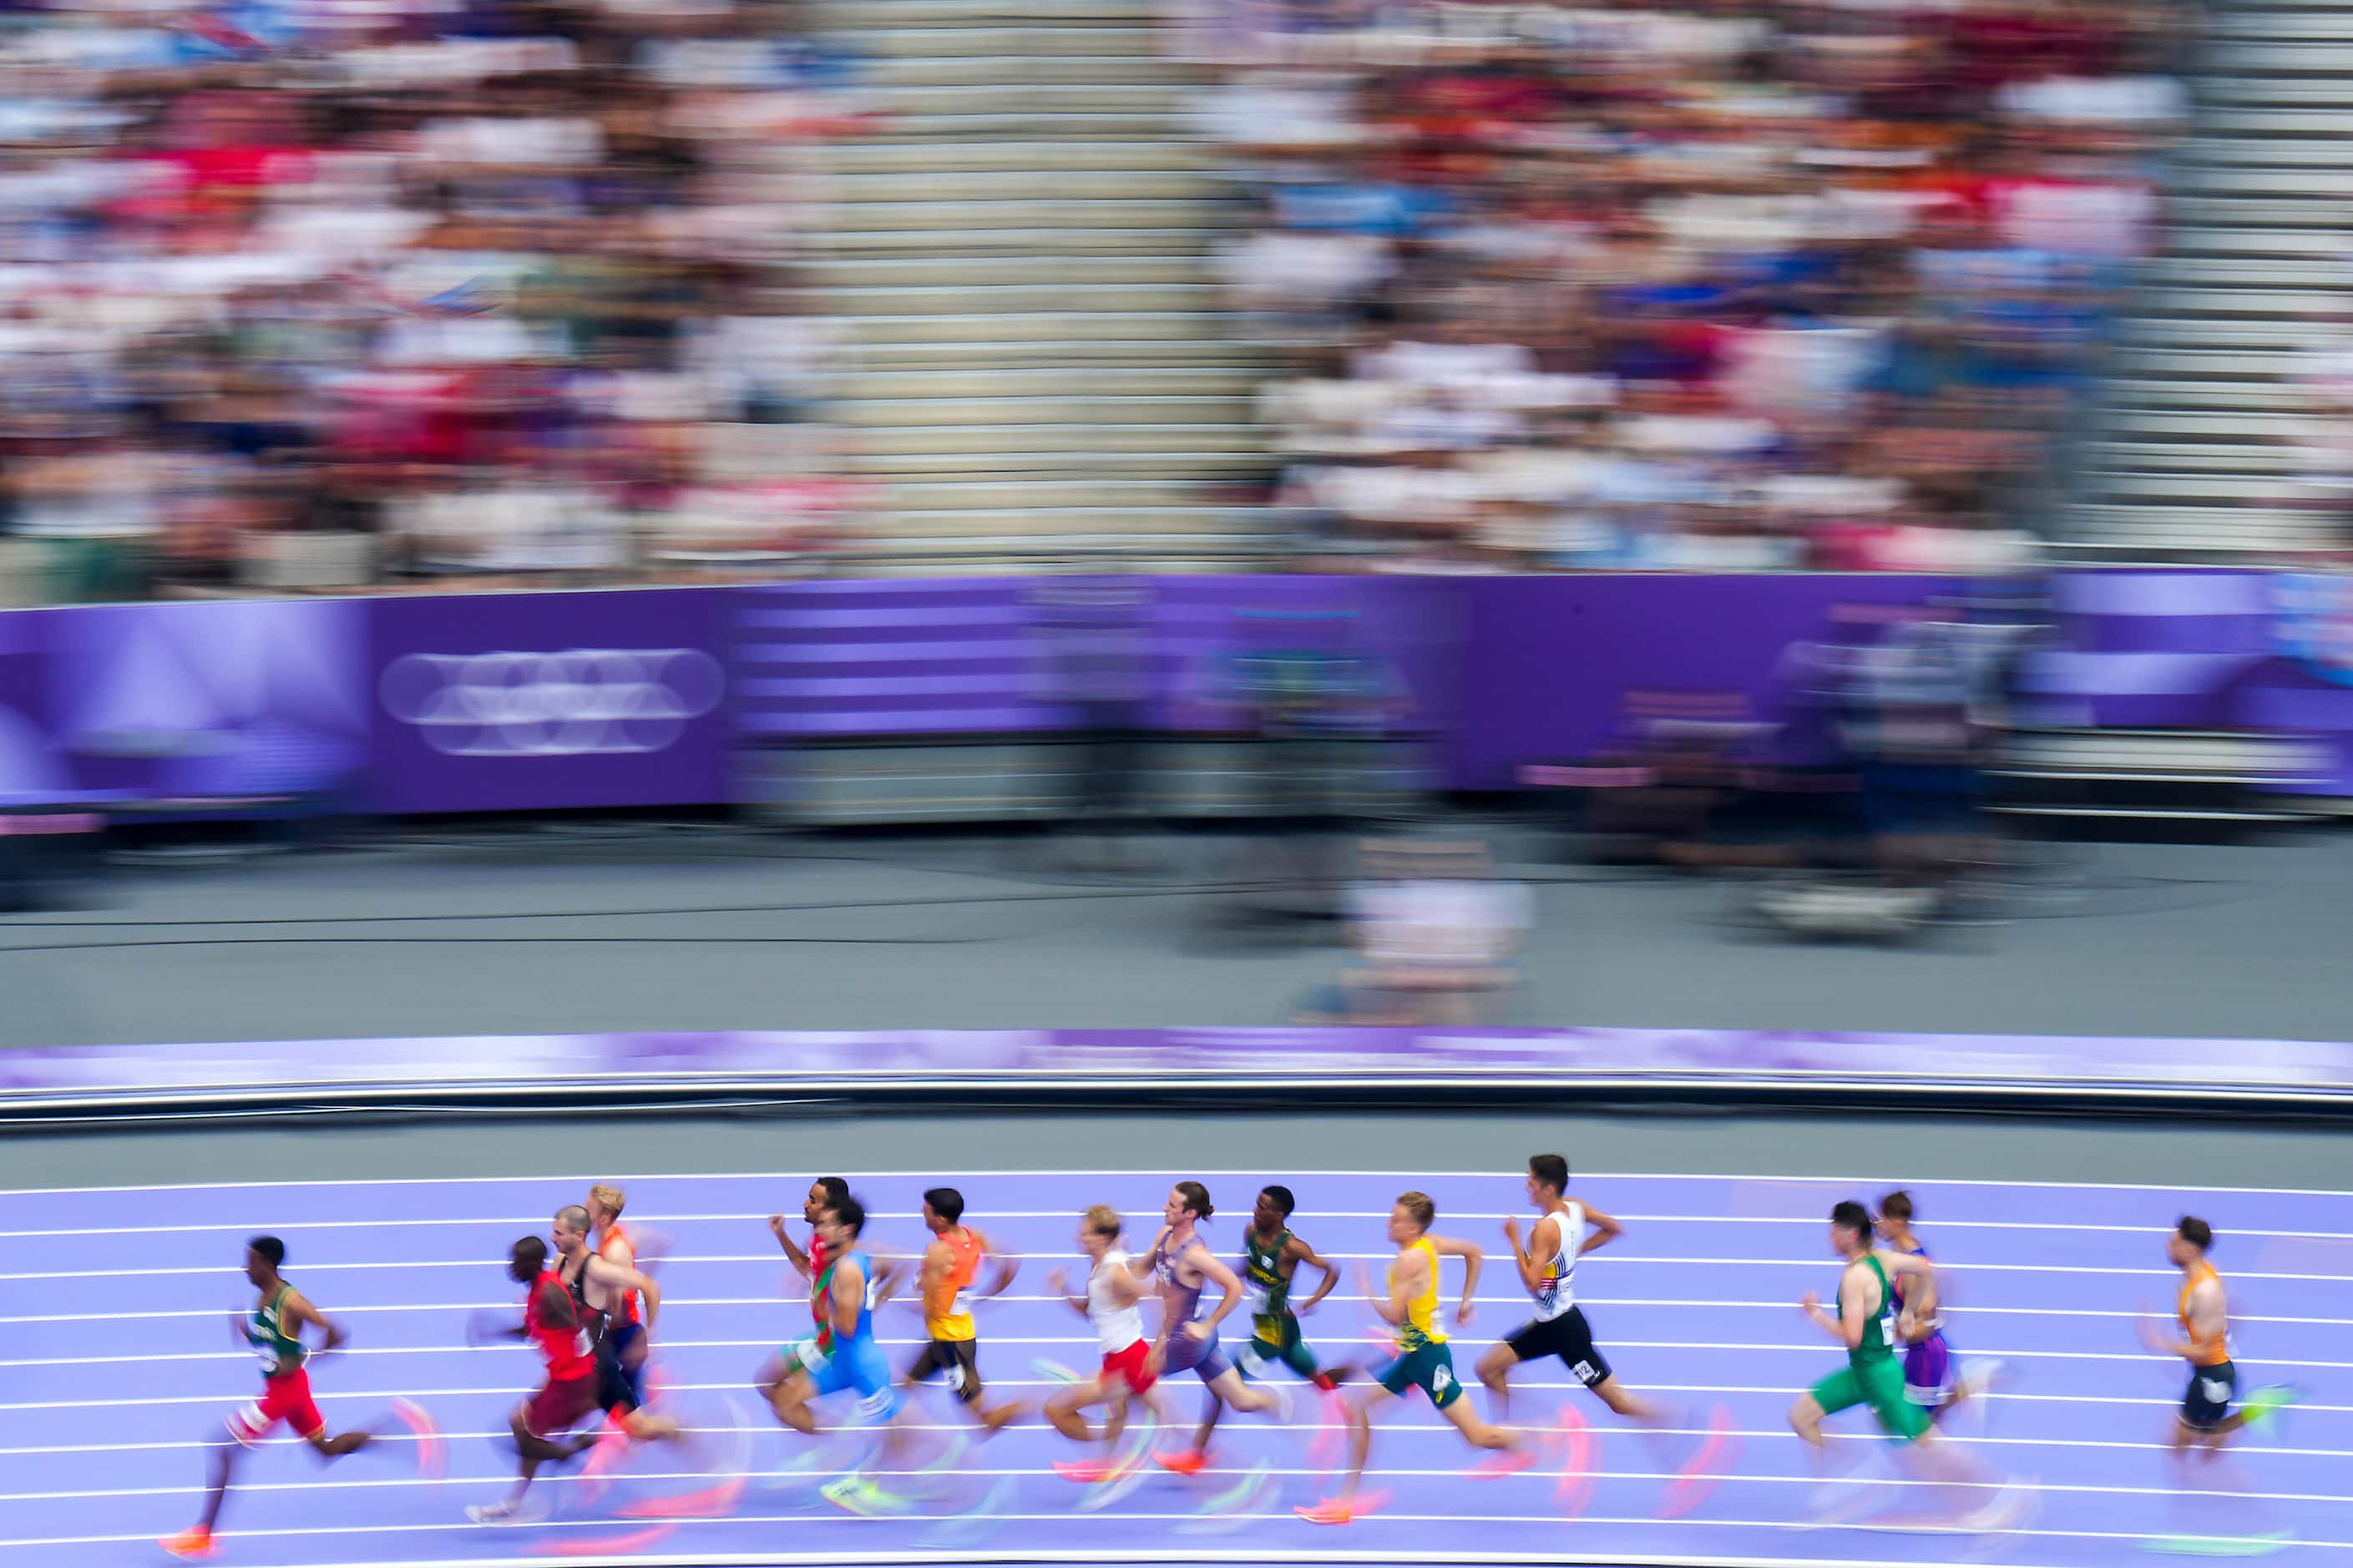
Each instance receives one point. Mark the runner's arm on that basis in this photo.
(1600, 1230)
(793, 1254)
(848, 1291)
(1007, 1267)
(555, 1307)
(1847, 1327)
(1302, 1253)
(1058, 1280)
(1224, 1278)
(614, 1277)
(298, 1307)
(1475, 1258)
(1405, 1281)
(1543, 1240)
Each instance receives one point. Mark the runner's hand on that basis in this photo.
(1810, 1302)
(1197, 1330)
(776, 1225)
(1465, 1312)
(480, 1326)
(1151, 1363)
(1058, 1280)
(1512, 1230)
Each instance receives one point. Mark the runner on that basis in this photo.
(1565, 1231)
(1272, 1256)
(1183, 1267)
(823, 1193)
(1866, 1303)
(1423, 1360)
(274, 1330)
(599, 1287)
(2206, 1422)
(624, 1325)
(1933, 1377)
(1129, 1370)
(552, 1323)
(951, 1263)
(842, 1356)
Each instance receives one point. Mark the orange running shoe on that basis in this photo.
(1331, 1511)
(432, 1460)
(1082, 1470)
(192, 1544)
(1185, 1462)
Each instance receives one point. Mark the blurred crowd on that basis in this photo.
(314, 293)
(1719, 285)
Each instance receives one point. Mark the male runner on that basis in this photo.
(1932, 1377)
(823, 1193)
(1183, 1266)
(1866, 1302)
(2206, 1421)
(274, 1331)
(1423, 1360)
(843, 1356)
(599, 1287)
(624, 1325)
(951, 1263)
(1271, 1255)
(1129, 1370)
(552, 1322)
(1565, 1231)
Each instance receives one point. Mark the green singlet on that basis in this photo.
(1872, 1375)
(278, 1348)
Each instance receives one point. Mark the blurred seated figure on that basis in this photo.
(1434, 930)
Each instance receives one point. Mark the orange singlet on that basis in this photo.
(2209, 1353)
(627, 1309)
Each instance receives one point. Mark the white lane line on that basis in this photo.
(1552, 1522)
(1078, 1346)
(1873, 1439)
(1449, 1472)
(985, 1219)
(1971, 1312)
(1505, 1175)
(1616, 1261)
(518, 1389)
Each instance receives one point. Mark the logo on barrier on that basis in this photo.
(579, 702)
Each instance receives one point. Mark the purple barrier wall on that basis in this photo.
(547, 701)
(1936, 1063)
(1549, 659)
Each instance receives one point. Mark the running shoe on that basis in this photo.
(855, 1494)
(1183, 1462)
(432, 1454)
(1697, 1478)
(2005, 1512)
(529, 1511)
(2262, 1545)
(1088, 1470)
(2262, 1405)
(1341, 1510)
(193, 1543)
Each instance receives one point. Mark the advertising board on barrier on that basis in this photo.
(547, 701)
(321, 1072)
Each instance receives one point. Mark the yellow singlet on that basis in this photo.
(1420, 1326)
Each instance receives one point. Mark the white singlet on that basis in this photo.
(1116, 1327)
(1556, 1294)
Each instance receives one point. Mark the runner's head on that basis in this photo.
(2189, 1243)
(1188, 1201)
(1411, 1217)
(1849, 1230)
(841, 1223)
(264, 1255)
(1273, 1211)
(943, 1209)
(604, 1205)
(527, 1260)
(570, 1231)
(823, 1193)
(1099, 1230)
(1894, 1215)
(1548, 1177)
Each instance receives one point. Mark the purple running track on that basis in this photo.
(121, 1367)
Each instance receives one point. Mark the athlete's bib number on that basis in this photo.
(1257, 1299)
(1440, 1379)
(2214, 1391)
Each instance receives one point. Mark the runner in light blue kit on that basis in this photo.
(843, 1356)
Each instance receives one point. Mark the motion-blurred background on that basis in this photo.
(1856, 449)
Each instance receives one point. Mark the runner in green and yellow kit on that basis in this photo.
(1873, 1375)
(1272, 1256)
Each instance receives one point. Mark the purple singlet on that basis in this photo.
(1179, 1304)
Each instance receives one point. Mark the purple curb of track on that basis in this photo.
(116, 1305)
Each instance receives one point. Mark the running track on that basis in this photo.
(120, 1363)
